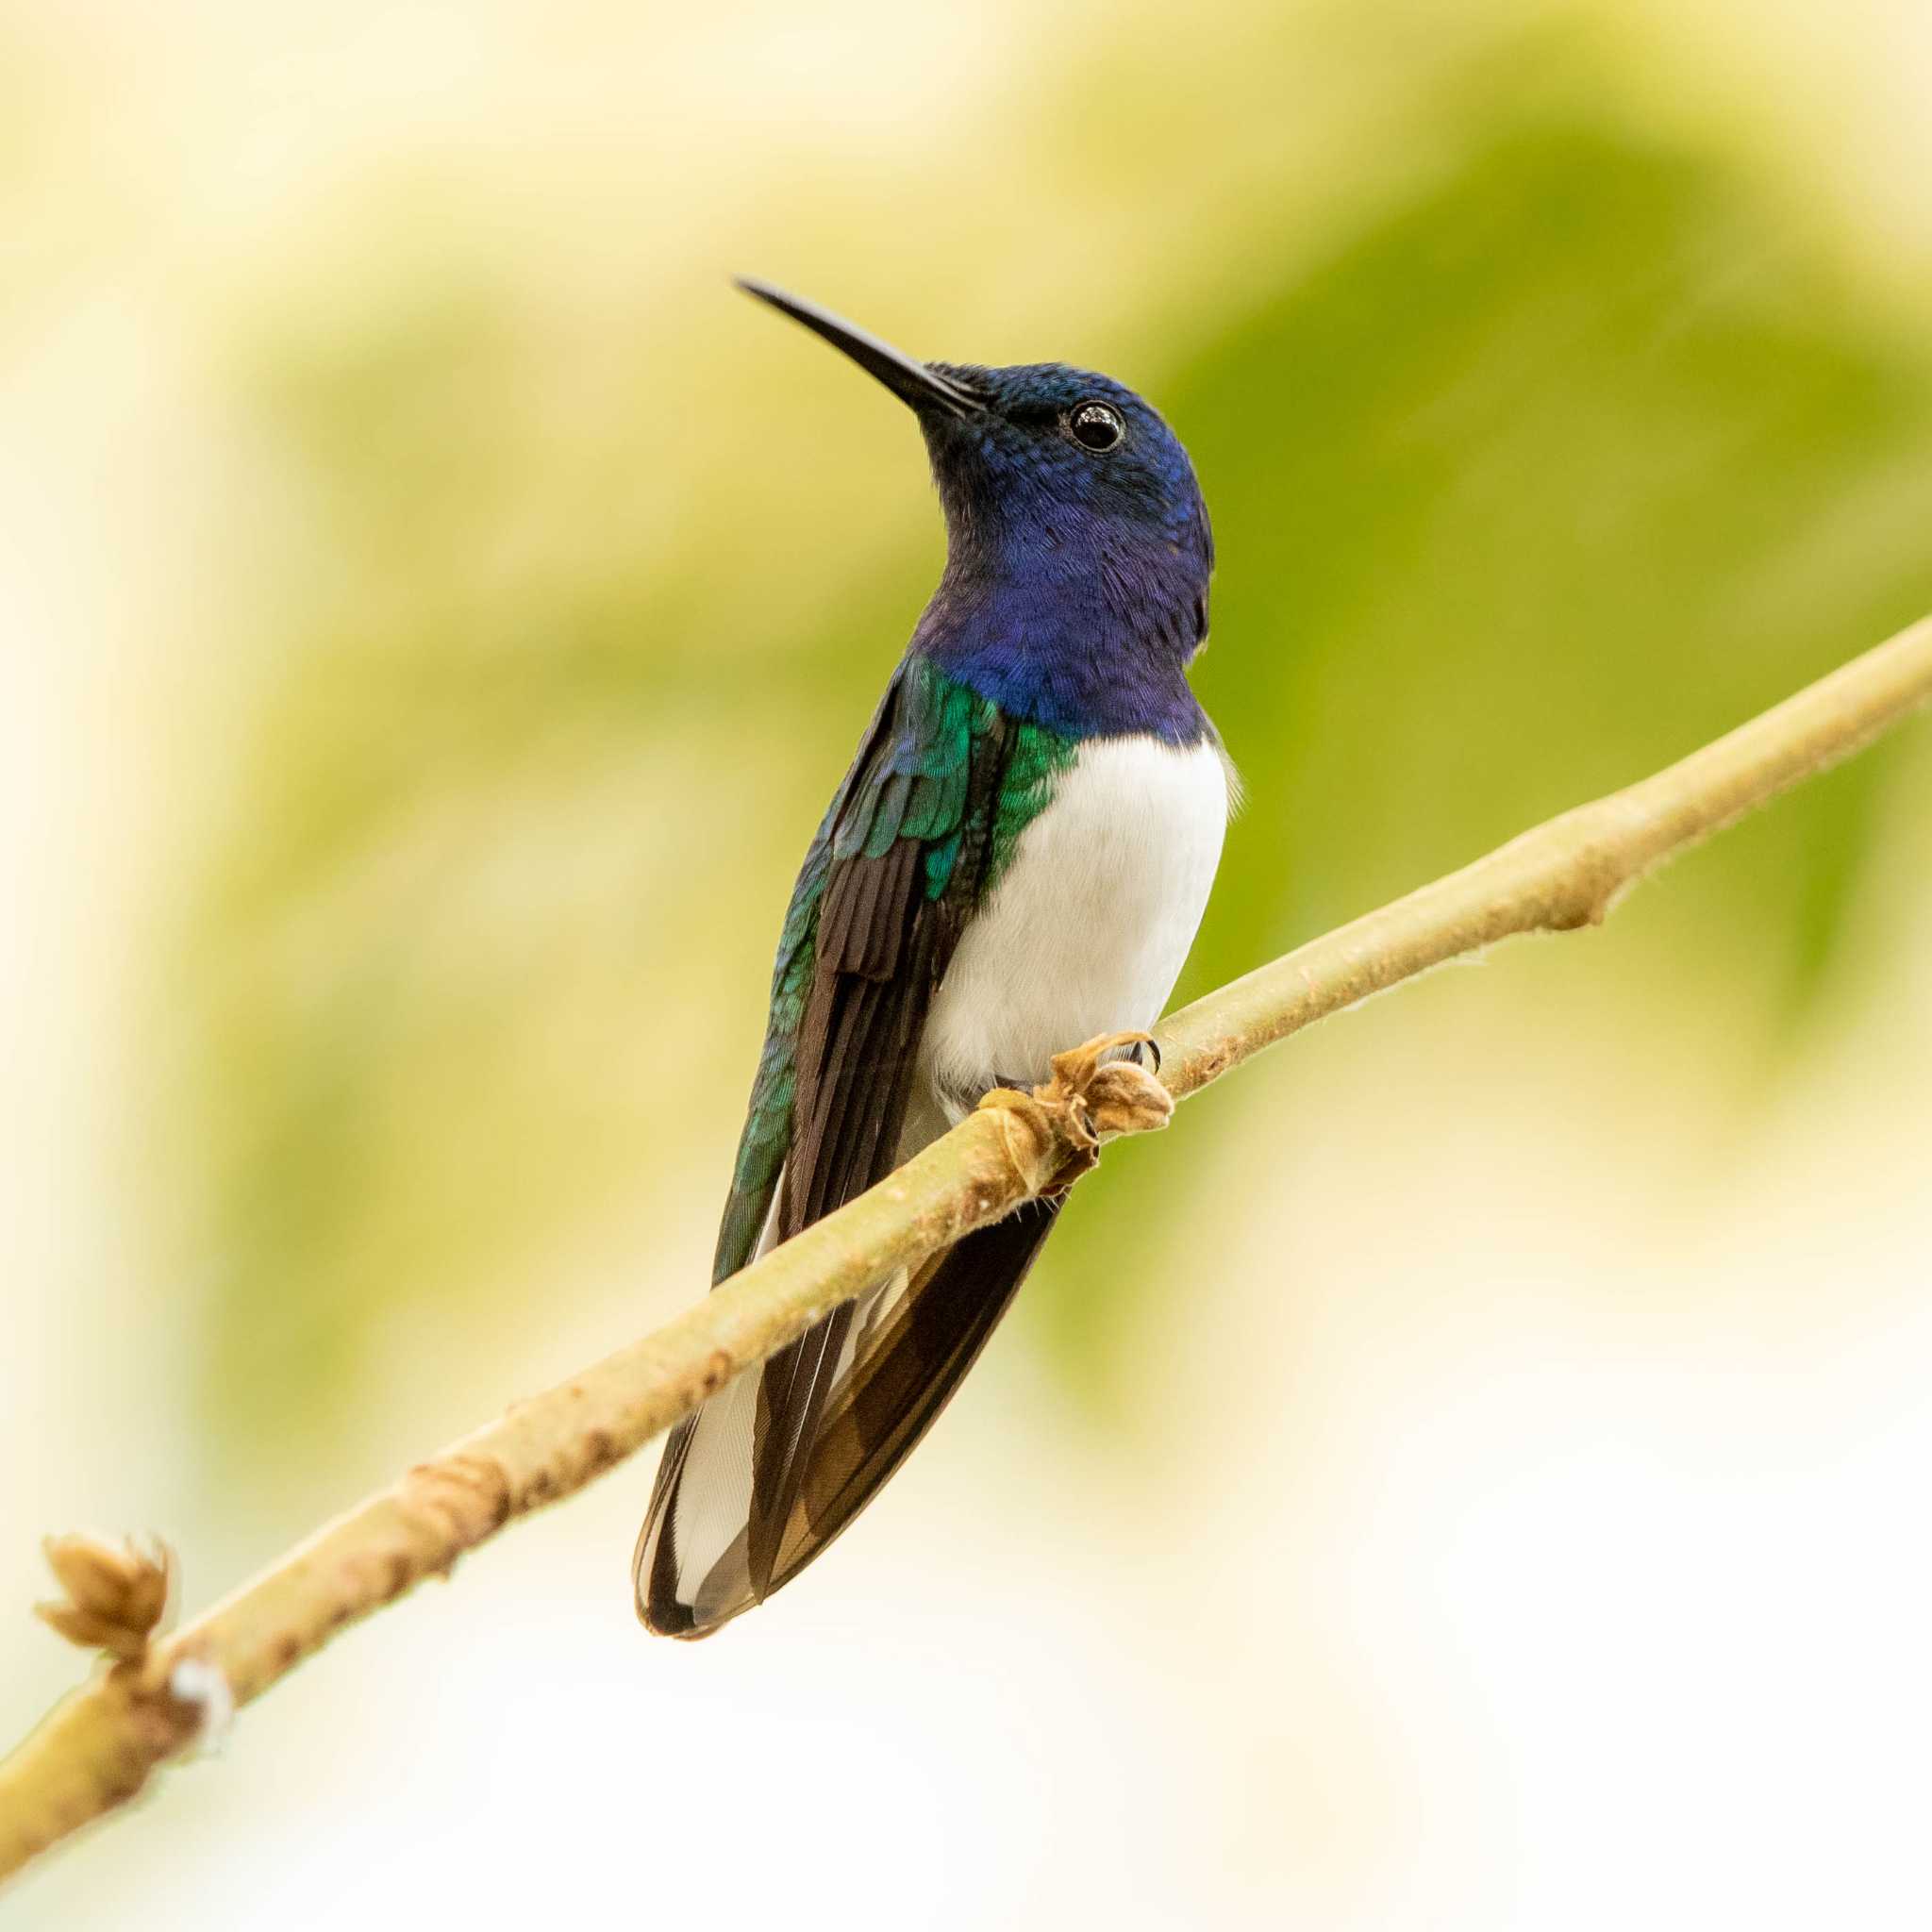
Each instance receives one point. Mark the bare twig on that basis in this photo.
(97, 1747)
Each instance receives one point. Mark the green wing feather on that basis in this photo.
(911, 780)
(926, 823)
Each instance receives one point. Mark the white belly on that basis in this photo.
(1086, 931)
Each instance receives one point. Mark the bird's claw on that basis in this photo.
(1097, 1090)
(1101, 1092)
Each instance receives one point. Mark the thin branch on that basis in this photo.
(96, 1748)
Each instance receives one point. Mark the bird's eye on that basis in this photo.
(1098, 426)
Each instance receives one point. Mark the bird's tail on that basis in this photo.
(776, 1465)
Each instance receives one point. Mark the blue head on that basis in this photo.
(1078, 548)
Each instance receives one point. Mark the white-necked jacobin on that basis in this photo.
(1016, 863)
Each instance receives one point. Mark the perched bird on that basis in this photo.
(1016, 863)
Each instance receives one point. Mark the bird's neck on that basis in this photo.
(1090, 638)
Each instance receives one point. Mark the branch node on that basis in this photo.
(1105, 1096)
(117, 1600)
(1090, 1098)
(1028, 1133)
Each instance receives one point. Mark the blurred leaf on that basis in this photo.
(1539, 482)
(1546, 473)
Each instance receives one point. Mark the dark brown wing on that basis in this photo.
(878, 943)
(905, 1373)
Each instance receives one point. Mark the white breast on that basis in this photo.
(1086, 931)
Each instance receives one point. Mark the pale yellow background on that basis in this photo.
(1473, 1473)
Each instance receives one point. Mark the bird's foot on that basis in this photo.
(1097, 1090)
(1108, 1087)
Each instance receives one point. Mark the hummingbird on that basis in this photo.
(1016, 863)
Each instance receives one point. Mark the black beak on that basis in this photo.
(911, 382)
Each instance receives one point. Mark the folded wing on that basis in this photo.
(767, 1471)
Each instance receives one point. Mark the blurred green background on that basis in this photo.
(1470, 1472)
